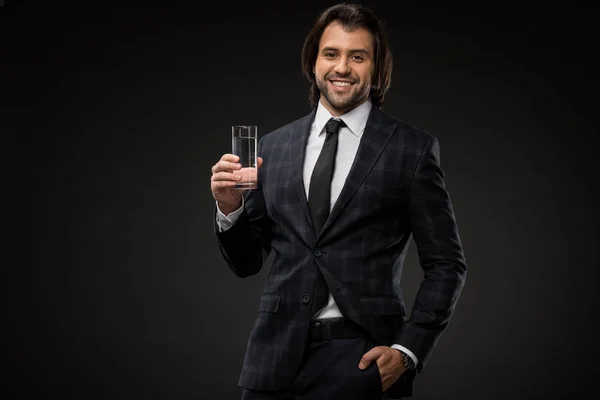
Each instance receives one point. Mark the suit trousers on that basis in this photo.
(330, 371)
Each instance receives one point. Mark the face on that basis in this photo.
(344, 68)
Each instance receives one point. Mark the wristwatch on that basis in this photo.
(408, 362)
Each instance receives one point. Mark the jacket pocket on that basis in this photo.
(269, 303)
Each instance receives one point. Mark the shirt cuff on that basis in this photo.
(407, 351)
(225, 222)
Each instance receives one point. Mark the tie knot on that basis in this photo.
(334, 125)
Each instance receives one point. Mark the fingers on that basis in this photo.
(228, 171)
(222, 172)
(222, 180)
(371, 355)
(216, 185)
(230, 157)
(227, 163)
(225, 176)
(230, 162)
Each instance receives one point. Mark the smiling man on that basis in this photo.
(341, 192)
(343, 68)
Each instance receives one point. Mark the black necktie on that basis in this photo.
(319, 197)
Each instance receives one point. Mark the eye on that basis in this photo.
(358, 58)
(329, 54)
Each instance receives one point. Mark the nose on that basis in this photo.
(342, 67)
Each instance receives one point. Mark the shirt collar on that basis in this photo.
(355, 119)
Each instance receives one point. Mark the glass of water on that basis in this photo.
(243, 143)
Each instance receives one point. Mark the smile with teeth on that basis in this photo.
(341, 83)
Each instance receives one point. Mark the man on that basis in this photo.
(340, 193)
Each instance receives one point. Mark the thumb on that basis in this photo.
(259, 161)
(370, 356)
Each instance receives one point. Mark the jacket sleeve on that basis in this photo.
(440, 252)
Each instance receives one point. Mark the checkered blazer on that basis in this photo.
(395, 189)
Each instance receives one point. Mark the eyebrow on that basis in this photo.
(363, 51)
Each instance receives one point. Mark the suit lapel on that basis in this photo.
(297, 151)
(378, 131)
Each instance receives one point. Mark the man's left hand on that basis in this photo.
(389, 362)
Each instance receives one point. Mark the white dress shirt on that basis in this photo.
(348, 141)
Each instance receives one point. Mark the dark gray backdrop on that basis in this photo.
(118, 290)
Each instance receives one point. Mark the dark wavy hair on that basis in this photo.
(350, 17)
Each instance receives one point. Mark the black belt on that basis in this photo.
(333, 328)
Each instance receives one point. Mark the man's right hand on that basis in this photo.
(223, 180)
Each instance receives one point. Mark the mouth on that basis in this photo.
(340, 84)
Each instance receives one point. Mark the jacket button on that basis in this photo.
(305, 298)
(318, 253)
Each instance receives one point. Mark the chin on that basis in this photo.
(344, 105)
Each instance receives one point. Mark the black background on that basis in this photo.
(117, 112)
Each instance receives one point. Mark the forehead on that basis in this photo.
(335, 36)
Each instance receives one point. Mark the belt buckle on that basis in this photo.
(322, 330)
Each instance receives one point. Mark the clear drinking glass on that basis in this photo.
(243, 143)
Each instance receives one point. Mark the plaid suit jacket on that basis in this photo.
(395, 189)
